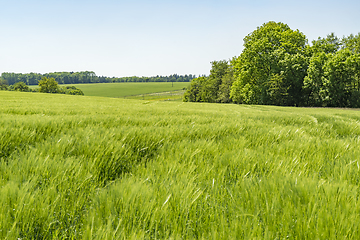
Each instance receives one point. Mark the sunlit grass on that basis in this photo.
(77, 167)
(160, 96)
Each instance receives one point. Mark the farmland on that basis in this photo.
(84, 167)
(129, 90)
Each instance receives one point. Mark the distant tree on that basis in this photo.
(71, 90)
(11, 78)
(21, 87)
(87, 77)
(3, 84)
(48, 85)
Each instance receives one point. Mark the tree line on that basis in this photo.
(46, 85)
(86, 77)
(279, 67)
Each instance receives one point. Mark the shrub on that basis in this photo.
(48, 85)
(21, 87)
(71, 90)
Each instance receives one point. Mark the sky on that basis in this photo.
(149, 38)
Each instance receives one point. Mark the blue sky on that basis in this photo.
(148, 38)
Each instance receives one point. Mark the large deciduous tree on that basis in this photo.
(272, 65)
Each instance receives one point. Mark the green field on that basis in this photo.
(79, 167)
(128, 89)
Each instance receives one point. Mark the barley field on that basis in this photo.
(137, 90)
(80, 167)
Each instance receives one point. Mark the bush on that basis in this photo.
(71, 90)
(21, 87)
(48, 85)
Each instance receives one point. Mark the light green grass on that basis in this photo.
(160, 96)
(75, 167)
(127, 89)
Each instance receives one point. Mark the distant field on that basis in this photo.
(127, 89)
(160, 96)
(80, 167)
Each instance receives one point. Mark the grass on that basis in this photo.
(132, 90)
(75, 167)
(160, 96)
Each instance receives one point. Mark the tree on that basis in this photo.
(314, 88)
(215, 88)
(277, 89)
(268, 52)
(71, 90)
(227, 80)
(352, 43)
(330, 44)
(195, 91)
(342, 79)
(218, 71)
(293, 71)
(21, 87)
(3, 84)
(48, 85)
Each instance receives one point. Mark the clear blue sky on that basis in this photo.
(147, 38)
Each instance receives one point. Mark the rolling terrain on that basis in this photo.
(83, 167)
(128, 90)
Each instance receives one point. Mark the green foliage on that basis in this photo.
(278, 67)
(21, 87)
(215, 88)
(341, 73)
(106, 168)
(223, 94)
(271, 50)
(195, 92)
(314, 88)
(71, 90)
(87, 77)
(211, 88)
(330, 44)
(29, 79)
(277, 89)
(352, 43)
(48, 85)
(241, 93)
(333, 79)
(3, 84)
